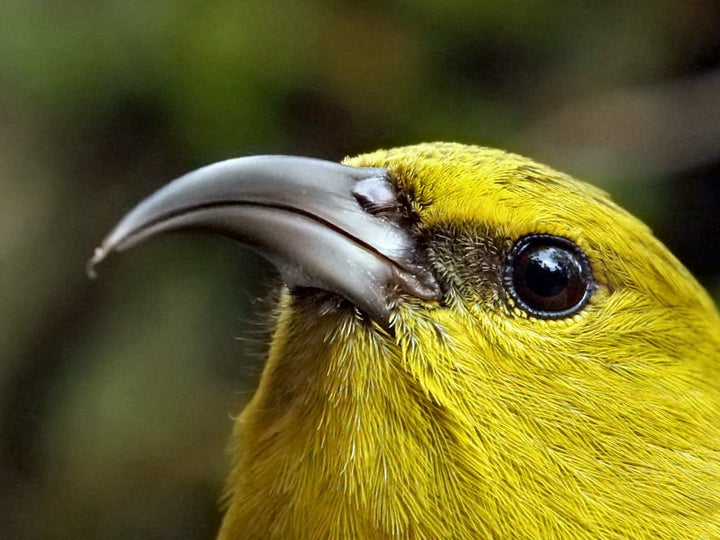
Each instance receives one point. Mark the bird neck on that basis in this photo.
(328, 442)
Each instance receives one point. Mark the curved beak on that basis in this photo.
(322, 224)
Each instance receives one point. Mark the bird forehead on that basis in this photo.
(515, 195)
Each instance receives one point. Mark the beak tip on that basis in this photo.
(98, 256)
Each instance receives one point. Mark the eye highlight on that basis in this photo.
(548, 276)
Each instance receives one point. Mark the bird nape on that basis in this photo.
(468, 345)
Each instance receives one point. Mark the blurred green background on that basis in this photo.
(117, 395)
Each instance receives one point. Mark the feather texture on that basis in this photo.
(470, 418)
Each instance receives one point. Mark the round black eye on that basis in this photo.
(548, 276)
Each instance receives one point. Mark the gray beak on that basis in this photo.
(323, 225)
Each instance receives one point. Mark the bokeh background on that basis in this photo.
(117, 395)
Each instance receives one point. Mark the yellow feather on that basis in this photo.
(473, 419)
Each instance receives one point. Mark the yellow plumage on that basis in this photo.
(470, 417)
(475, 420)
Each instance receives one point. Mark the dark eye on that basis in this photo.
(548, 276)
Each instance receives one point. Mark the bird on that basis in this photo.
(468, 344)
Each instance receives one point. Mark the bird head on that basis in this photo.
(469, 344)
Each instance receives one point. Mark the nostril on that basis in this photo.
(377, 196)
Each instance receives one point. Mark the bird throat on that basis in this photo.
(327, 447)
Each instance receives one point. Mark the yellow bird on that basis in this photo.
(469, 345)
